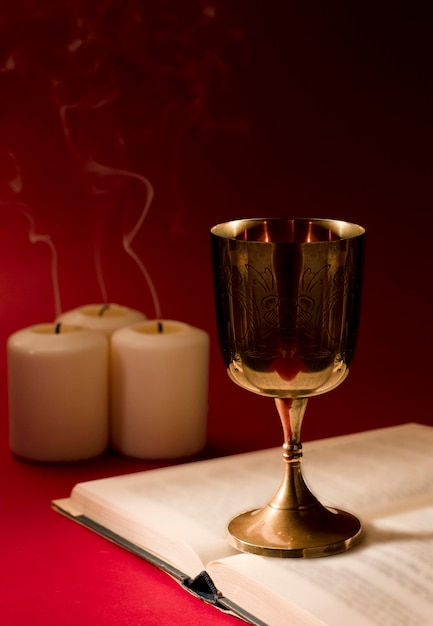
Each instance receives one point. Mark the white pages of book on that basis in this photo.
(385, 476)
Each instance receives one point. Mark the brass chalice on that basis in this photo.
(287, 295)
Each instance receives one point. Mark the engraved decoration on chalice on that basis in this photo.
(287, 294)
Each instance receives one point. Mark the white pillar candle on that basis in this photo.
(58, 393)
(103, 317)
(159, 389)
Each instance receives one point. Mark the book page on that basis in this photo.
(373, 473)
(386, 581)
(181, 513)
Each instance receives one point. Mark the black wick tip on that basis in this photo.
(103, 309)
(160, 327)
(57, 328)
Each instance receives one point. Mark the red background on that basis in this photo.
(228, 109)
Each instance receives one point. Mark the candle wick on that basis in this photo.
(160, 327)
(103, 309)
(57, 328)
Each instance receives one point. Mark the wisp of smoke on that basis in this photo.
(127, 238)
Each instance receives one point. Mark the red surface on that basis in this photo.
(229, 110)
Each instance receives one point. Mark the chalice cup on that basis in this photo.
(287, 294)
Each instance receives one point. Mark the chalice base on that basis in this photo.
(312, 531)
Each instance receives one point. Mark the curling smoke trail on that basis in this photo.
(35, 237)
(14, 183)
(128, 237)
(99, 100)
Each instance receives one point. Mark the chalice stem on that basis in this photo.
(293, 494)
(291, 412)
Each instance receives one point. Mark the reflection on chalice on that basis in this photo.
(287, 295)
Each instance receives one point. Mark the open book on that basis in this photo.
(176, 517)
